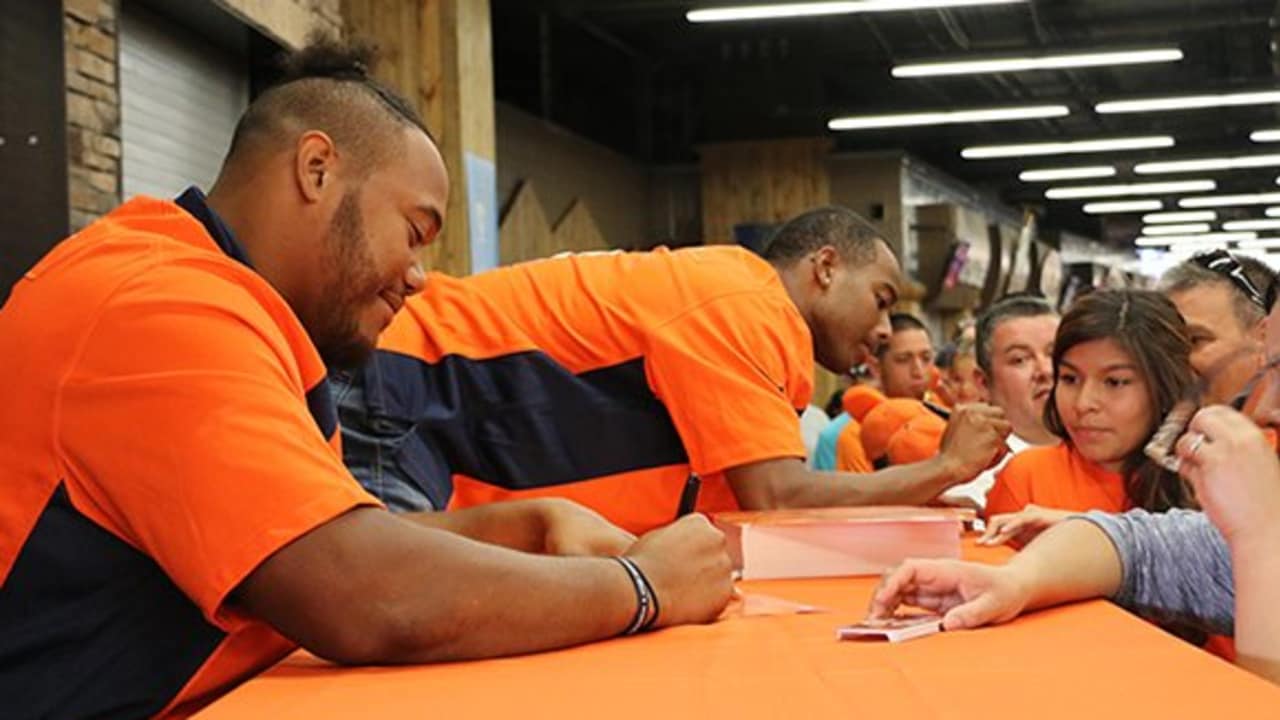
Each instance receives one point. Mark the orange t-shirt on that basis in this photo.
(850, 456)
(1059, 478)
(167, 429)
(600, 377)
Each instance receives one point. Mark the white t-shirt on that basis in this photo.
(812, 422)
(974, 492)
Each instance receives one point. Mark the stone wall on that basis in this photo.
(93, 108)
(93, 85)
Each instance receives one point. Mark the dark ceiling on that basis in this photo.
(636, 76)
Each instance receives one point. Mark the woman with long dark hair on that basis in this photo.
(1121, 362)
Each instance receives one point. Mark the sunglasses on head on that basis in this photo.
(1226, 265)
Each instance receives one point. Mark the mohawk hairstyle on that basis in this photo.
(327, 86)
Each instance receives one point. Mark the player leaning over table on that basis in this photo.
(607, 378)
(1219, 569)
(176, 514)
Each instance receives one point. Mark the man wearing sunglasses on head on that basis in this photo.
(1218, 569)
(1221, 297)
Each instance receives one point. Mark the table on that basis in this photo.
(1084, 661)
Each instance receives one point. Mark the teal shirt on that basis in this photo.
(824, 456)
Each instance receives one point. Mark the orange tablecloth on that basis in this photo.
(1090, 660)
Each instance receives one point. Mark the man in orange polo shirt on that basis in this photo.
(176, 514)
(608, 378)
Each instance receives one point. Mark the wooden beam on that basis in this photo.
(439, 54)
(761, 182)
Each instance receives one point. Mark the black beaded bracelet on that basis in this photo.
(646, 599)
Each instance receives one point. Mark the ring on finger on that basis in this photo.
(1196, 442)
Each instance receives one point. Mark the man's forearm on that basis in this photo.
(369, 587)
(1074, 560)
(517, 524)
(787, 483)
(914, 484)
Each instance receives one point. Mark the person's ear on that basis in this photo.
(980, 379)
(1258, 333)
(315, 163)
(826, 262)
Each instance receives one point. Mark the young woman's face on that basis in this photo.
(1104, 403)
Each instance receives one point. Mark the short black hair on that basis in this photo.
(845, 230)
(906, 321)
(327, 86)
(1021, 305)
(901, 322)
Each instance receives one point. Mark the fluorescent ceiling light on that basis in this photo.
(817, 9)
(1043, 62)
(1203, 164)
(1211, 201)
(1269, 224)
(1067, 173)
(1067, 148)
(1188, 102)
(1272, 212)
(1265, 136)
(948, 117)
(1178, 229)
(1180, 217)
(1104, 208)
(1270, 243)
(1155, 188)
(1203, 238)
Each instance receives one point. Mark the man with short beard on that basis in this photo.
(177, 517)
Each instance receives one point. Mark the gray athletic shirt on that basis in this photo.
(1177, 568)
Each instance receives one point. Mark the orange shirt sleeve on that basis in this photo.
(184, 430)
(732, 373)
(850, 455)
(1012, 489)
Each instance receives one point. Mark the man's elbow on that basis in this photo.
(387, 634)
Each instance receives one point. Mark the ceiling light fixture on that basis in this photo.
(1188, 102)
(1212, 201)
(1179, 229)
(948, 117)
(1270, 243)
(1209, 237)
(1104, 208)
(1067, 173)
(1155, 188)
(1205, 164)
(1180, 217)
(1268, 224)
(780, 11)
(1043, 62)
(1265, 136)
(983, 152)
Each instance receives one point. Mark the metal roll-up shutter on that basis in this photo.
(180, 99)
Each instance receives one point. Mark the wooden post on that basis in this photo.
(764, 182)
(439, 54)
